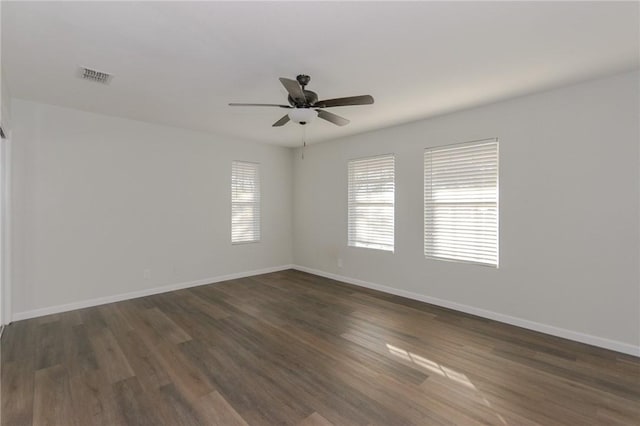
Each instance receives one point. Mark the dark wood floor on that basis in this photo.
(293, 348)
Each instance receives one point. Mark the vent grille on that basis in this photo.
(94, 75)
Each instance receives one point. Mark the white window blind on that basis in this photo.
(245, 202)
(461, 202)
(371, 202)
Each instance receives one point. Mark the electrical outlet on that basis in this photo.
(146, 274)
(339, 263)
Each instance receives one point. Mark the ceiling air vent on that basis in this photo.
(93, 75)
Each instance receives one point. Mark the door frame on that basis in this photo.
(5, 230)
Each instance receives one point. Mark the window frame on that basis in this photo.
(495, 265)
(365, 245)
(257, 203)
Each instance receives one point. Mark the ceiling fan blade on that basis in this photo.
(351, 100)
(260, 105)
(333, 118)
(294, 89)
(284, 120)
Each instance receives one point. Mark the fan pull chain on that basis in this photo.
(304, 140)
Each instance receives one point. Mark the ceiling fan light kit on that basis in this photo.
(302, 115)
(304, 105)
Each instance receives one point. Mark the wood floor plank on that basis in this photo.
(216, 411)
(17, 393)
(293, 348)
(148, 370)
(52, 403)
(110, 357)
(165, 327)
(187, 302)
(78, 351)
(93, 398)
(134, 406)
(259, 398)
(151, 373)
(315, 420)
(19, 341)
(174, 405)
(49, 344)
(183, 373)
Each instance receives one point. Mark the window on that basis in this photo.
(245, 202)
(371, 202)
(461, 202)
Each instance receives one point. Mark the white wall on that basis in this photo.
(569, 229)
(97, 200)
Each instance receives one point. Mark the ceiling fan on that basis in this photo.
(304, 104)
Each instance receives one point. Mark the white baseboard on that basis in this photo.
(520, 322)
(141, 293)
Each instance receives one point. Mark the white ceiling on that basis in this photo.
(180, 63)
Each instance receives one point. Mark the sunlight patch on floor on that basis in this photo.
(441, 370)
(432, 366)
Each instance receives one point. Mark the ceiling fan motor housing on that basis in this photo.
(310, 99)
